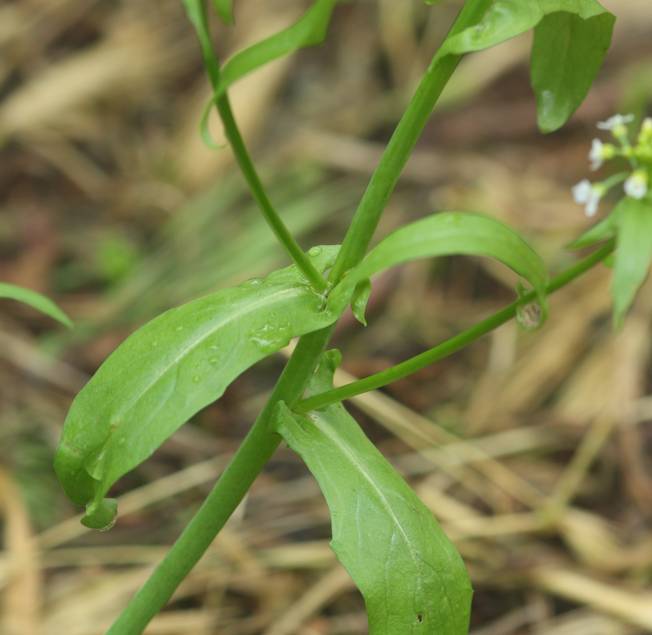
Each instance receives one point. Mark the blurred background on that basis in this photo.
(531, 448)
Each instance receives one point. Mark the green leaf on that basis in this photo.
(101, 515)
(197, 16)
(445, 234)
(410, 575)
(567, 54)
(173, 367)
(600, 232)
(570, 43)
(204, 127)
(506, 19)
(309, 30)
(224, 8)
(359, 300)
(35, 300)
(633, 253)
(503, 20)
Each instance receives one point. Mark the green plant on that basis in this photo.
(410, 575)
(35, 300)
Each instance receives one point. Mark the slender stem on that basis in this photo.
(279, 228)
(232, 132)
(450, 346)
(400, 146)
(261, 442)
(254, 452)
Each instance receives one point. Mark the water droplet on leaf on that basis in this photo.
(529, 316)
(270, 338)
(101, 515)
(253, 282)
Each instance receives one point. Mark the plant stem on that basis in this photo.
(301, 260)
(261, 442)
(252, 455)
(400, 146)
(450, 346)
(241, 154)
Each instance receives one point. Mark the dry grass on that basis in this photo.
(532, 449)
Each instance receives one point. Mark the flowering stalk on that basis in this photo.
(638, 155)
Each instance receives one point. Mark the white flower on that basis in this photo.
(582, 191)
(636, 184)
(597, 154)
(615, 122)
(589, 195)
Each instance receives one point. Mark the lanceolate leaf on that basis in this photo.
(633, 253)
(309, 30)
(446, 234)
(410, 575)
(506, 19)
(571, 40)
(567, 54)
(604, 230)
(35, 300)
(171, 368)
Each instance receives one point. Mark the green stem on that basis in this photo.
(241, 154)
(261, 442)
(279, 228)
(254, 452)
(400, 146)
(450, 346)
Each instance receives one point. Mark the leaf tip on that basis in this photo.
(360, 299)
(101, 514)
(66, 321)
(548, 126)
(204, 130)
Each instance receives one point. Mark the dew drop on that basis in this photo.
(253, 282)
(213, 361)
(108, 527)
(179, 328)
(529, 316)
(196, 378)
(269, 338)
(315, 251)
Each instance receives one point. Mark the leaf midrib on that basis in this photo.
(193, 343)
(333, 435)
